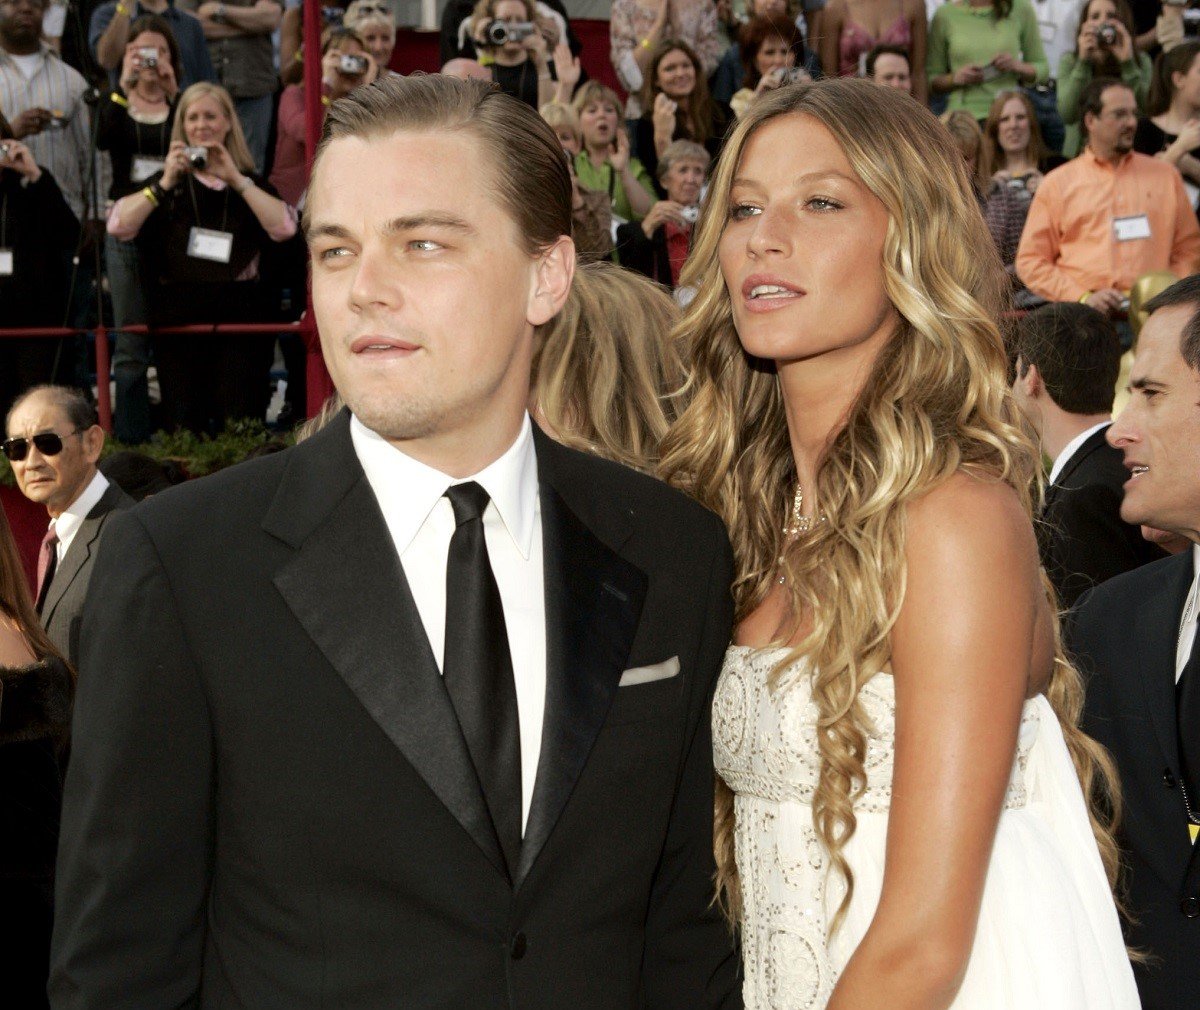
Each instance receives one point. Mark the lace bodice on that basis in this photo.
(765, 748)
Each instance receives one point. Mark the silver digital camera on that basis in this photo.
(351, 65)
(1106, 35)
(148, 56)
(690, 214)
(499, 33)
(197, 157)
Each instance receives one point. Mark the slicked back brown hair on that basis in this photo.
(523, 158)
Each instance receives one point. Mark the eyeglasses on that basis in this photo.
(48, 443)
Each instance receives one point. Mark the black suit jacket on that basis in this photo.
(1123, 636)
(62, 609)
(1082, 538)
(270, 803)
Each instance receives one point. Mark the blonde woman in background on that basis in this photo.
(372, 20)
(968, 136)
(901, 816)
(604, 367)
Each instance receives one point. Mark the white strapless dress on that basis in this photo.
(1048, 936)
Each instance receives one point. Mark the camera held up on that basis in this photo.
(1106, 35)
(352, 65)
(197, 157)
(499, 33)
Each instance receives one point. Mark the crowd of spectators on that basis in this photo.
(178, 222)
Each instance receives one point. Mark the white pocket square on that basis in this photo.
(665, 670)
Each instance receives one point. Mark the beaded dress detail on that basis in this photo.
(766, 751)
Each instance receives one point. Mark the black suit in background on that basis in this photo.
(1082, 538)
(62, 609)
(270, 803)
(1123, 636)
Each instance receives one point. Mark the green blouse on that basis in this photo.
(602, 177)
(960, 35)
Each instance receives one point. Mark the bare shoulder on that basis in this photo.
(14, 649)
(970, 516)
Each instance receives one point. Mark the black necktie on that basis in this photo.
(1187, 710)
(477, 668)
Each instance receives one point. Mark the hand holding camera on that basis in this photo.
(15, 155)
(342, 72)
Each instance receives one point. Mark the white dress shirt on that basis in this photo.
(1072, 447)
(68, 523)
(420, 519)
(1187, 620)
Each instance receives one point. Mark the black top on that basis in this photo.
(185, 289)
(34, 719)
(520, 81)
(39, 228)
(1151, 139)
(124, 138)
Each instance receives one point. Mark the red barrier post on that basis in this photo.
(103, 393)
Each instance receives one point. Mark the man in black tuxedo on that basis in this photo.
(1134, 638)
(421, 714)
(1068, 360)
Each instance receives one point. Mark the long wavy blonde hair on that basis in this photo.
(604, 367)
(936, 402)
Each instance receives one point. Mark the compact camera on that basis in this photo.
(690, 214)
(1106, 35)
(499, 33)
(57, 120)
(148, 56)
(4, 150)
(197, 157)
(790, 75)
(352, 65)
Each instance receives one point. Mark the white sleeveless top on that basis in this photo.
(1048, 934)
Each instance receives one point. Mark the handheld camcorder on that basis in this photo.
(197, 157)
(499, 33)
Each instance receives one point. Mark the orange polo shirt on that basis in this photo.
(1069, 246)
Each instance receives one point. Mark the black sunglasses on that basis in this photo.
(48, 444)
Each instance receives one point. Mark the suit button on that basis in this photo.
(1168, 778)
(517, 947)
(1190, 907)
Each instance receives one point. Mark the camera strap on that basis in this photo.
(215, 245)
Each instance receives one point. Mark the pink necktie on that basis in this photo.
(47, 559)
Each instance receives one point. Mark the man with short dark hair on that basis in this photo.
(53, 443)
(1068, 359)
(422, 717)
(1134, 638)
(1099, 222)
(889, 66)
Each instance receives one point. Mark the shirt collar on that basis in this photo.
(408, 490)
(1105, 163)
(1072, 447)
(66, 525)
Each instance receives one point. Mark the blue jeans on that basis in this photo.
(131, 357)
(255, 117)
(1045, 104)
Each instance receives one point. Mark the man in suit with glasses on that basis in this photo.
(53, 443)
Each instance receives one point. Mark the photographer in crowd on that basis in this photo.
(372, 20)
(770, 47)
(205, 228)
(345, 65)
(1103, 48)
(112, 29)
(291, 36)
(36, 225)
(135, 123)
(505, 29)
(658, 245)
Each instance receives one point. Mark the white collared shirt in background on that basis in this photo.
(420, 519)
(67, 524)
(1072, 447)
(1187, 620)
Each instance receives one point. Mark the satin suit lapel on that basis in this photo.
(346, 587)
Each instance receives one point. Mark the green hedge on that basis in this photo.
(197, 454)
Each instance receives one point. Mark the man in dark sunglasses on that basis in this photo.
(53, 443)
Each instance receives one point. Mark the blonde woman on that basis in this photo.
(206, 226)
(901, 814)
(603, 367)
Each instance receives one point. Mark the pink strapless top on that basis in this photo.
(856, 42)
